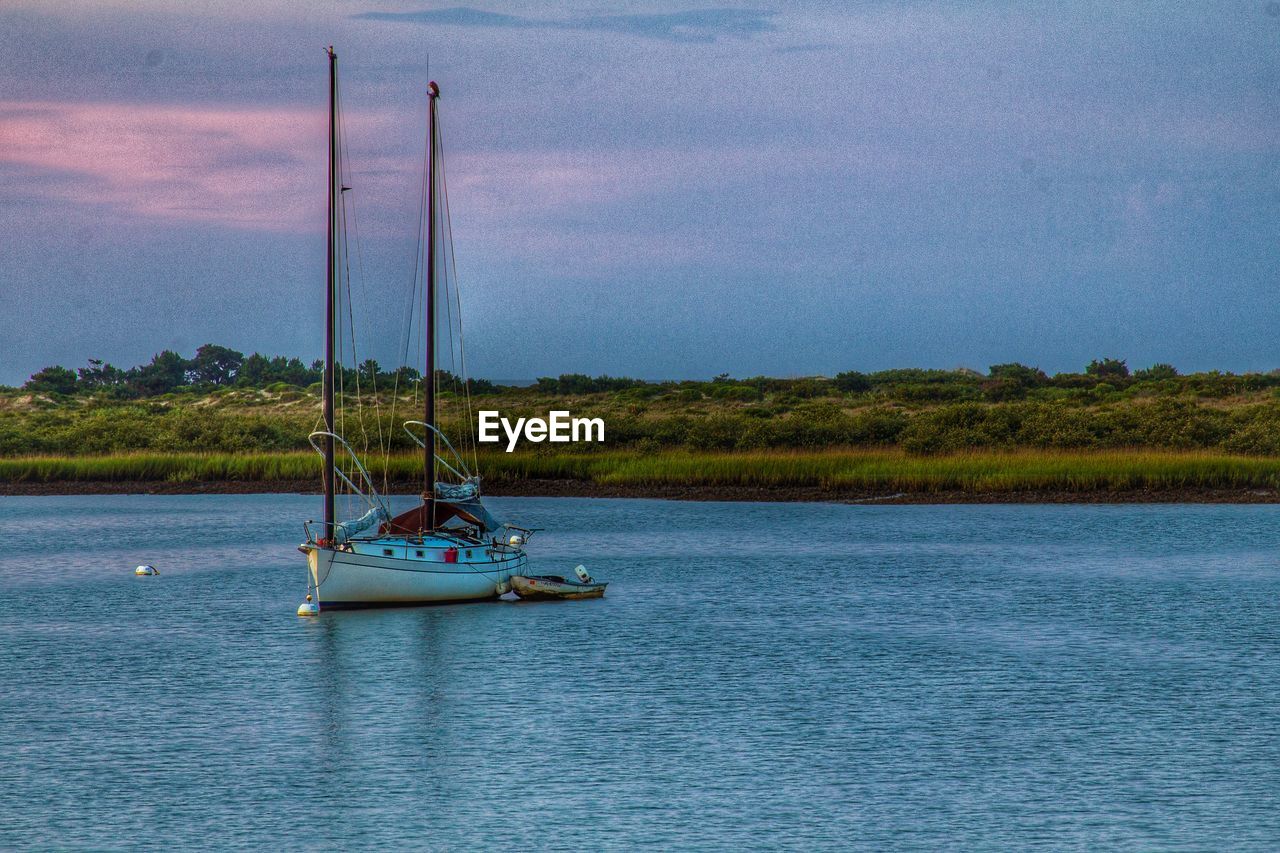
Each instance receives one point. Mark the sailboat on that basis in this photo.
(447, 548)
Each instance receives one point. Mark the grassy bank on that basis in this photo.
(832, 473)
(1225, 418)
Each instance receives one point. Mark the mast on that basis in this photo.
(429, 378)
(330, 294)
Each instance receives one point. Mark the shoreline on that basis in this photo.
(587, 489)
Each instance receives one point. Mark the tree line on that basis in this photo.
(213, 367)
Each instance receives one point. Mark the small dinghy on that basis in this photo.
(543, 587)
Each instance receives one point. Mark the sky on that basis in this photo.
(660, 191)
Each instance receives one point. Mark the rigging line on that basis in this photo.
(350, 304)
(345, 251)
(408, 325)
(448, 307)
(446, 235)
(444, 225)
(391, 425)
(351, 327)
(417, 252)
(359, 397)
(344, 273)
(339, 375)
(462, 350)
(457, 292)
(406, 331)
(444, 229)
(452, 274)
(339, 305)
(349, 313)
(405, 326)
(364, 286)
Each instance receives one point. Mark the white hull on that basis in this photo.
(344, 579)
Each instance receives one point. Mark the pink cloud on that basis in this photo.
(263, 169)
(254, 168)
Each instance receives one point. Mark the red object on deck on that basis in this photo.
(451, 555)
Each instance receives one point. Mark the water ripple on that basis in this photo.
(761, 676)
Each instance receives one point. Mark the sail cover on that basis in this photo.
(470, 509)
(344, 531)
(463, 501)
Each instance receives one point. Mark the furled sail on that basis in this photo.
(470, 509)
(458, 491)
(347, 529)
(463, 500)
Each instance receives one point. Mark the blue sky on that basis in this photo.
(654, 190)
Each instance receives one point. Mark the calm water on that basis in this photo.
(761, 675)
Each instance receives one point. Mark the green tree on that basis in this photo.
(1157, 371)
(1108, 368)
(1029, 377)
(55, 379)
(216, 365)
(167, 371)
(370, 369)
(291, 371)
(406, 377)
(99, 376)
(253, 371)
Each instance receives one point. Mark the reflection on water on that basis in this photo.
(759, 675)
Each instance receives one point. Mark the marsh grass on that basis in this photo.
(823, 471)
(976, 472)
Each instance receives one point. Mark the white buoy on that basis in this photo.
(516, 540)
(146, 570)
(502, 587)
(308, 607)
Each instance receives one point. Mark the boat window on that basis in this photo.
(468, 552)
(387, 552)
(418, 553)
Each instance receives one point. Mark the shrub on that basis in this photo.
(922, 392)
(733, 392)
(1156, 372)
(1028, 377)
(1108, 368)
(852, 382)
(1003, 390)
(959, 427)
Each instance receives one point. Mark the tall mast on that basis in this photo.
(429, 463)
(330, 294)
